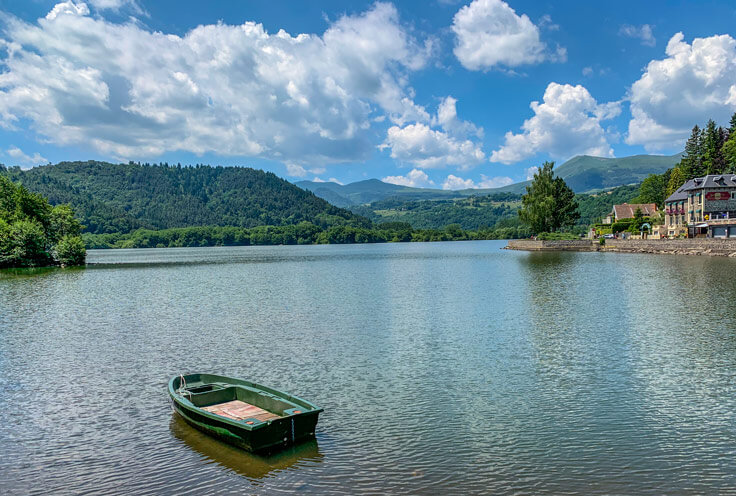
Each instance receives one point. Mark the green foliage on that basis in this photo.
(549, 204)
(692, 162)
(303, 233)
(121, 198)
(23, 244)
(474, 212)
(621, 225)
(729, 153)
(32, 232)
(637, 221)
(713, 139)
(556, 236)
(70, 251)
(677, 179)
(593, 207)
(654, 189)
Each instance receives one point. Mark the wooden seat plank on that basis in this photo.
(239, 410)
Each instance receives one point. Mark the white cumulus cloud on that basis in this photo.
(415, 178)
(490, 33)
(428, 148)
(694, 83)
(530, 171)
(643, 33)
(454, 182)
(20, 158)
(566, 123)
(233, 90)
(447, 118)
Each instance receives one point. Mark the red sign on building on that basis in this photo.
(717, 195)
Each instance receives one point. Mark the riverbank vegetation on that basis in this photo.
(35, 234)
(300, 234)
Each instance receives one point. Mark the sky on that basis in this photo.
(435, 93)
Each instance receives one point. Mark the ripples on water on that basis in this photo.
(442, 368)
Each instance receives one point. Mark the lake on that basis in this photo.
(451, 367)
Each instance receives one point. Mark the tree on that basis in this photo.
(653, 189)
(70, 251)
(692, 162)
(639, 219)
(549, 204)
(677, 179)
(32, 233)
(729, 153)
(713, 162)
(729, 147)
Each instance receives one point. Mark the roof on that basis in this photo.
(627, 210)
(711, 181)
(681, 192)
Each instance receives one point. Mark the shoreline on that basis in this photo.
(701, 246)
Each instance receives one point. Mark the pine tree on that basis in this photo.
(692, 163)
(729, 148)
(713, 162)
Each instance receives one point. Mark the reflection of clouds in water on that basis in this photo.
(239, 461)
(442, 367)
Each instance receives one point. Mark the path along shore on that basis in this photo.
(700, 246)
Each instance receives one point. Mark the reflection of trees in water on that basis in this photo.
(240, 461)
(638, 349)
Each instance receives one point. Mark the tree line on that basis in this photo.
(300, 234)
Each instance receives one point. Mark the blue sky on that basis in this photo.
(437, 93)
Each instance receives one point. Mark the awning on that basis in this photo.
(702, 225)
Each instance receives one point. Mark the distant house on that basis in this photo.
(628, 210)
(703, 206)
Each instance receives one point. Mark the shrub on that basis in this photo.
(556, 236)
(70, 251)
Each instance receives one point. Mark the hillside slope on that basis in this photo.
(371, 190)
(111, 198)
(582, 173)
(585, 173)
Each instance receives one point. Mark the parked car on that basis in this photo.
(609, 236)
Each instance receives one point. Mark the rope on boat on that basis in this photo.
(183, 387)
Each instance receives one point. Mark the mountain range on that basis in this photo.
(584, 174)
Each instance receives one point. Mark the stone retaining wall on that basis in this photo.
(700, 246)
(561, 245)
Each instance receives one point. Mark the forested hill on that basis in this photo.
(119, 198)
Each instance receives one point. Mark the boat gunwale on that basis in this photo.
(185, 403)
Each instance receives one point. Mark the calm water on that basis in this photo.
(442, 368)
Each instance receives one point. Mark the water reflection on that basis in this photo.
(445, 368)
(239, 461)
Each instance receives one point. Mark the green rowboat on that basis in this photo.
(248, 415)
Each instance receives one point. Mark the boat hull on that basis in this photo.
(264, 437)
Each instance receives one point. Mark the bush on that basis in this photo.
(621, 225)
(23, 244)
(556, 236)
(70, 251)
